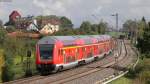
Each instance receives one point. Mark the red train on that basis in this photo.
(56, 53)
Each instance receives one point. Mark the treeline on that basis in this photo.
(86, 28)
(139, 33)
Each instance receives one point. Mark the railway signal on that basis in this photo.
(28, 64)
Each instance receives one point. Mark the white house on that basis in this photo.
(49, 29)
(33, 26)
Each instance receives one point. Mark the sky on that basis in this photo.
(79, 10)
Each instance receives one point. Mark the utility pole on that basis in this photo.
(116, 15)
(116, 53)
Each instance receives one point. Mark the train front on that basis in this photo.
(45, 55)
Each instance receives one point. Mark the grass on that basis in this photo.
(114, 34)
(122, 80)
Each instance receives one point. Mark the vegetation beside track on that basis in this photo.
(139, 33)
(122, 80)
(1, 62)
(141, 74)
(13, 51)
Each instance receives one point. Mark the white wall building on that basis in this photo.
(49, 29)
(33, 26)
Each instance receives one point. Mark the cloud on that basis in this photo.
(77, 10)
(80, 10)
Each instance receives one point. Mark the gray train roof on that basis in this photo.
(70, 40)
(87, 39)
(67, 40)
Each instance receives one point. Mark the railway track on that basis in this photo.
(72, 74)
(95, 69)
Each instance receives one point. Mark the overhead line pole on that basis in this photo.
(116, 15)
(117, 53)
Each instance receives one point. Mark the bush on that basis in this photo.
(7, 70)
(131, 74)
(10, 29)
(2, 36)
(7, 73)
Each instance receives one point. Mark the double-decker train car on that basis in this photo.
(56, 53)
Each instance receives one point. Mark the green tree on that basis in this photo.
(141, 26)
(144, 37)
(9, 53)
(21, 48)
(65, 32)
(130, 28)
(8, 70)
(65, 22)
(1, 23)
(2, 36)
(102, 27)
(146, 41)
(10, 29)
(94, 28)
(85, 27)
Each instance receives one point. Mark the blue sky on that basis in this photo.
(80, 10)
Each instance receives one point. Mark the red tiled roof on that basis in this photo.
(13, 15)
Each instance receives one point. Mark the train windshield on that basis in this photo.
(46, 51)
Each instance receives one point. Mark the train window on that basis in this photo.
(63, 52)
(46, 51)
(70, 59)
(84, 49)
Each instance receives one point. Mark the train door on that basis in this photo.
(84, 52)
(107, 45)
(95, 50)
(101, 48)
(89, 51)
(64, 55)
(77, 53)
(80, 51)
